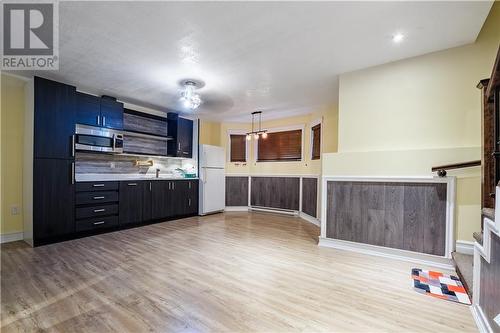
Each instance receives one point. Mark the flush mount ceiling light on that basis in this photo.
(257, 133)
(189, 98)
(398, 38)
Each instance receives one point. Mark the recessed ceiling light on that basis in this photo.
(398, 38)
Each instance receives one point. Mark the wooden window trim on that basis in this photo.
(316, 140)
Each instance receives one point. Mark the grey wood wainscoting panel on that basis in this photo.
(401, 215)
(489, 286)
(310, 196)
(275, 192)
(236, 191)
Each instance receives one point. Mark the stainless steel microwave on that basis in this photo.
(98, 139)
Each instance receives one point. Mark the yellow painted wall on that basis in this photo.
(408, 110)
(329, 117)
(12, 132)
(210, 133)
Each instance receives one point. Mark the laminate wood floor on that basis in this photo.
(232, 272)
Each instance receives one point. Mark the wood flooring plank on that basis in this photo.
(231, 272)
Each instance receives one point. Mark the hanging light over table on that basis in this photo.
(257, 133)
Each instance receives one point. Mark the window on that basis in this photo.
(238, 151)
(280, 146)
(316, 142)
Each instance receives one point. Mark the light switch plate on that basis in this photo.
(14, 210)
(497, 319)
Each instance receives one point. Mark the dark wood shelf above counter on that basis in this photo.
(139, 122)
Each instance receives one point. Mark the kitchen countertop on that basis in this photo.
(102, 177)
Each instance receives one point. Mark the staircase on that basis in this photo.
(464, 263)
(465, 270)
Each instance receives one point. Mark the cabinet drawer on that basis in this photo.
(97, 223)
(96, 186)
(83, 198)
(103, 210)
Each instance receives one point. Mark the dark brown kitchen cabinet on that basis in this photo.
(170, 198)
(54, 119)
(111, 113)
(102, 111)
(53, 199)
(186, 192)
(147, 197)
(131, 202)
(162, 199)
(88, 109)
(181, 131)
(97, 205)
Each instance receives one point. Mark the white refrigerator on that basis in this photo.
(212, 179)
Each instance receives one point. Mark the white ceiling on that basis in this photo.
(283, 58)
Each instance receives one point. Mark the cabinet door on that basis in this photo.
(162, 199)
(88, 109)
(181, 130)
(192, 198)
(131, 200)
(185, 199)
(111, 113)
(185, 138)
(180, 202)
(53, 198)
(55, 115)
(147, 188)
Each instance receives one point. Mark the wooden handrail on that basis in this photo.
(441, 170)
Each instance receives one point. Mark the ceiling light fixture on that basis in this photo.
(257, 133)
(398, 38)
(189, 98)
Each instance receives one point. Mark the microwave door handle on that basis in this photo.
(114, 141)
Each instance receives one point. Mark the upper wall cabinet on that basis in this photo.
(99, 111)
(111, 113)
(88, 111)
(54, 117)
(182, 132)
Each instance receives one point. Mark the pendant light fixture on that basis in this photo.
(257, 133)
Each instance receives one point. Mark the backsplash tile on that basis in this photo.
(91, 163)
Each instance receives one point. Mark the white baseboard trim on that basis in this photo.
(464, 247)
(481, 322)
(7, 238)
(236, 209)
(310, 219)
(380, 251)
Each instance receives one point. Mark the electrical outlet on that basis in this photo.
(497, 319)
(14, 210)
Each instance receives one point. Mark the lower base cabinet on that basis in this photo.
(173, 198)
(97, 206)
(53, 199)
(131, 202)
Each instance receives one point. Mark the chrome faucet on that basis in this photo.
(157, 173)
